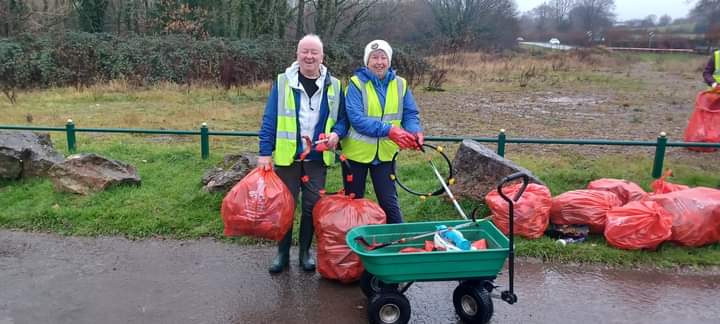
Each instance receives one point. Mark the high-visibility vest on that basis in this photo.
(716, 73)
(286, 134)
(360, 148)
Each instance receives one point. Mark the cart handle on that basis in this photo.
(509, 295)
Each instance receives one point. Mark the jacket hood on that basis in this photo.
(294, 69)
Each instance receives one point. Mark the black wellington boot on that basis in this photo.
(282, 260)
(307, 261)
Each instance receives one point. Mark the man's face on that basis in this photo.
(378, 63)
(310, 56)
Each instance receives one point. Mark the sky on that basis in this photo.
(631, 9)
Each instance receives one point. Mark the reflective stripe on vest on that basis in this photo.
(363, 149)
(716, 73)
(286, 131)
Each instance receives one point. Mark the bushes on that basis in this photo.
(81, 59)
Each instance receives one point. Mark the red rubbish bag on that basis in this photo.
(583, 207)
(333, 217)
(260, 205)
(532, 210)
(704, 124)
(625, 190)
(638, 225)
(662, 186)
(695, 215)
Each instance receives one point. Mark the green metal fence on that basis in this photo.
(660, 144)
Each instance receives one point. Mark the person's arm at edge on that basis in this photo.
(268, 128)
(708, 72)
(411, 115)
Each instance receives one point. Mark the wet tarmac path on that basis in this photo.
(51, 279)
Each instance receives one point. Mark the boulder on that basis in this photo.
(233, 169)
(87, 173)
(478, 170)
(26, 154)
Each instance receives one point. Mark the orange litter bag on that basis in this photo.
(704, 124)
(260, 205)
(532, 210)
(695, 215)
(662, 186)
(333, 217)
(638, 225)
(583, 207)
(625, 190)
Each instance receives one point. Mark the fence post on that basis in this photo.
(501, 143)
(204, 142)
(70, 132)
(659, 155)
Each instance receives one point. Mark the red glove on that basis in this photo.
(420, 139)
(402, 138)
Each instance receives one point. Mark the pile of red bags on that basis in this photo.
(333, 217)
(704, 124)
(532, 210)
(583, 207)
(260, 205)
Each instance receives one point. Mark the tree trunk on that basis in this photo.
(300, 30)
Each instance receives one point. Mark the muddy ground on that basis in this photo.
(618, 101)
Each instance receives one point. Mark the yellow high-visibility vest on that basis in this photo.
(286, 132)
(360, 148)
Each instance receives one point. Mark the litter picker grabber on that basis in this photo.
(320, 146)
(426, 149)
(374, 245)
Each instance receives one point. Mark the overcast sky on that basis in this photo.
(631, 9)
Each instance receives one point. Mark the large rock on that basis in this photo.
(233, 169)
(87, 173)
(479, 169)
(26, 154)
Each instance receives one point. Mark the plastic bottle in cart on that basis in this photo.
(455, 237)
(567, 241)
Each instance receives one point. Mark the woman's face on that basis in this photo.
(378, 63)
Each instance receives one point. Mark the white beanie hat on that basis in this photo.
(377, 44)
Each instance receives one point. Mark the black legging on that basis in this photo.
(385, 189)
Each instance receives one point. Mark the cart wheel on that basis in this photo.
(371, 285)
(473, 304)
(389, 308)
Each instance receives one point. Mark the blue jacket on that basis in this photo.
(269, 122)
(371, 127)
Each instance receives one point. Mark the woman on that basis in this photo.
(383, 117)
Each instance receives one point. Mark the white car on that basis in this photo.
(554, 41)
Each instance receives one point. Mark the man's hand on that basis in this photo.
(714, 85)
(402, 138)
(265, 162)
(333, 140)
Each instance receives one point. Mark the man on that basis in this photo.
(383, 117)
(711, 74)
(305, 101)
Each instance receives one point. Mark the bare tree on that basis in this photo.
(338, 19)
(594, 14)
(561, 13)
(664, 20)
(300, 26)
(543, 17)
(475, 22)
